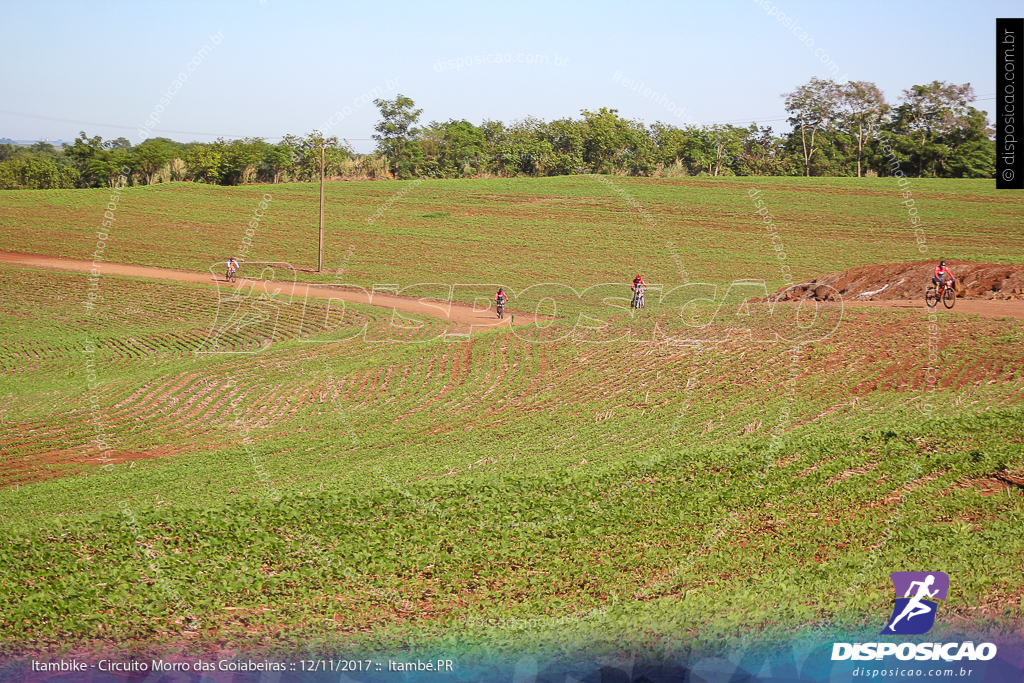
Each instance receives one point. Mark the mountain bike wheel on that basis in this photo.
(931, 298)
(948, 298)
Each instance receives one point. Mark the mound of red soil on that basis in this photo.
(908, 281)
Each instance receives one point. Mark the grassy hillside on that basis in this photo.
(575, 229)
(417, 491)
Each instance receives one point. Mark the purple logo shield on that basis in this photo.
(917, 594)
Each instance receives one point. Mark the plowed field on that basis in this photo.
(370, 475)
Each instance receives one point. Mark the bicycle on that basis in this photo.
(501, 308)
(638, 298)
(944, 292)
(230, 277)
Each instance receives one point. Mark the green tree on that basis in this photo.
(43, 148)
(495, 133)
(928, 119)
(307, 155)
(670, 143)
(97, 162)
(461, 142)
(430, 140)
(699, 150)
(83, 154)
(10, 175)
(612, 144)
(566, 138)
(107, 165)
(522, 148)
(205, 163)
(241, 159)
(726, 144)
(813, 109)
(150, 156)
(973, 152)
(604, 139)
(7, 151)
(35, 173)
(396, 130)
(278, 160)
(762, 153)
(862, 109)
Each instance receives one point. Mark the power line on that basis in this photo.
(280, 137)
(154, 130)
(110, 125)
(269, 137)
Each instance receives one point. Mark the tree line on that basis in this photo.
(94, 162)
(837, 130)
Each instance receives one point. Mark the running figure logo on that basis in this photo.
(915, 614)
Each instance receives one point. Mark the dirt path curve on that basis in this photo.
(983, 307)
(459, 313)
(456, 312)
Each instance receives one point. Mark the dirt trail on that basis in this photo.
(986, 309)
(461, 313)
(455, 312)
(986, 289)
(896, 281)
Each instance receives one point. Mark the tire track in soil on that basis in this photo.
(459, 370)
(490, 361)
(271, 408)
(426, 391)
(187, 418)
(183, 415)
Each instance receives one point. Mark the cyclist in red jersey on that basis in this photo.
(638, 282)
(501, 297)
(941, 272)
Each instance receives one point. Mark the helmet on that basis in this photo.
(500, 290)
(942, 263)
(638, 276)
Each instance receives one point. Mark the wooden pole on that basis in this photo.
(320, 258)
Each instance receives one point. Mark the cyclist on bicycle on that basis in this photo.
(638, 282)
(941, 273)
(638, 288)
(232, 264)
(500, 298)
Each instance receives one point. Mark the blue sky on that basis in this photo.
(288, 66)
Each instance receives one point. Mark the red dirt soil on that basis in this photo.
(986, 309)
(993, 291)
(907, 281)
(986, 289)
(459, 313)
(54, 464)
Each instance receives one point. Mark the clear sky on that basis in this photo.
(287, 66)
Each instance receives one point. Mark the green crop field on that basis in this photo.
(302, 476)
(575, 230)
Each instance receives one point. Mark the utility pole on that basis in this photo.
(320, 258)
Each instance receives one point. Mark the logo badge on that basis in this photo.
(914, 612)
